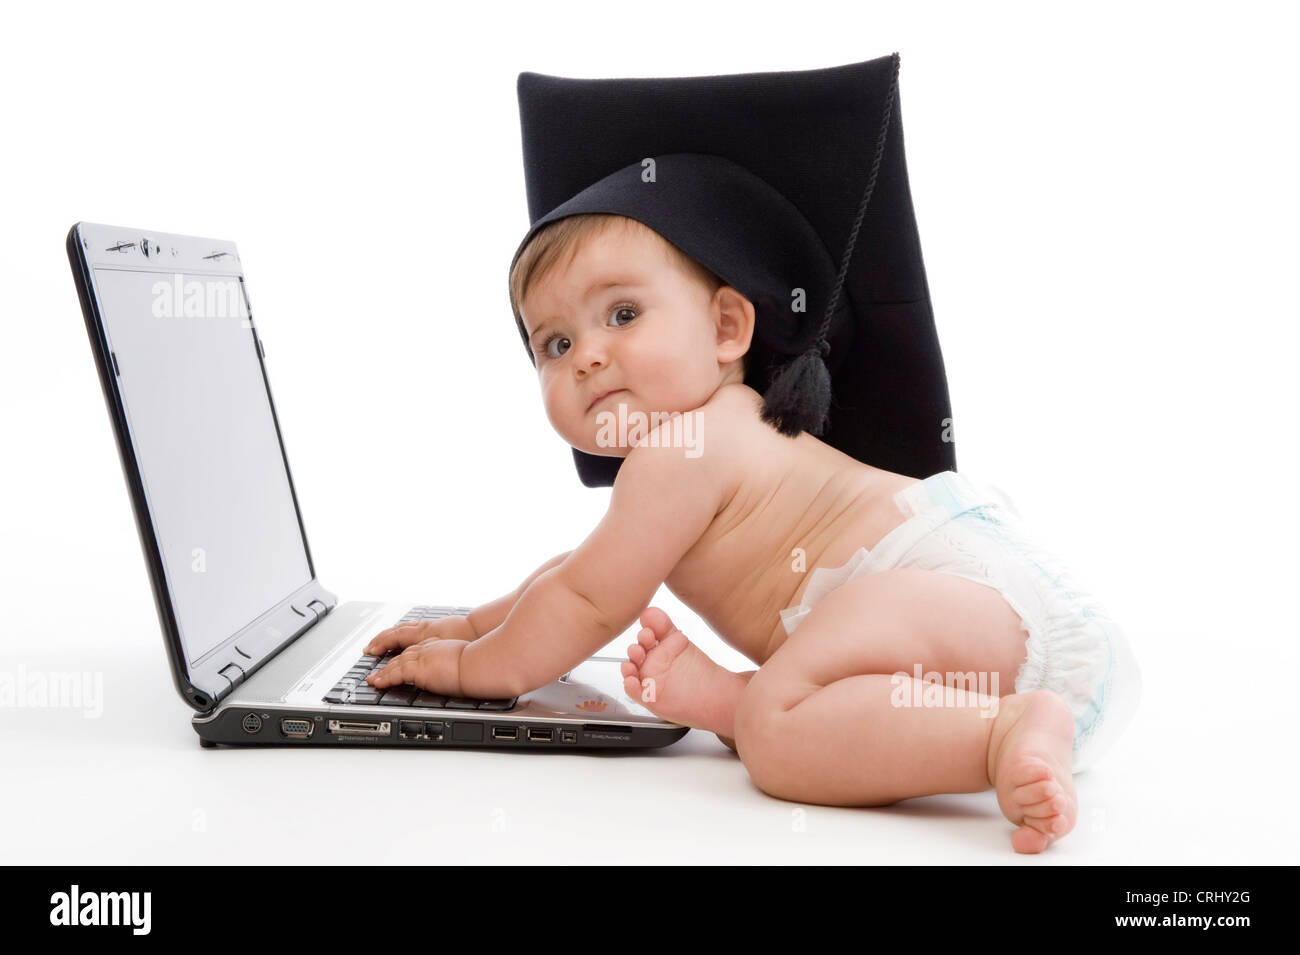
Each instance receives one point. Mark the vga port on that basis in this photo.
(296, 728)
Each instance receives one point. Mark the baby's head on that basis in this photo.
(609, 304)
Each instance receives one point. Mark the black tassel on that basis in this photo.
(799, 399)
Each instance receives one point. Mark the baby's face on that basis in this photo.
(624, 317)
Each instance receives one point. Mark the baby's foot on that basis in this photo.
(676, 681)
(1029, 765)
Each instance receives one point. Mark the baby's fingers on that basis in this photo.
(399, 637)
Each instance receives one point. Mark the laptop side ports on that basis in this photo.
(541, 734)
(296, 729)
(505, 732)
(360, 727)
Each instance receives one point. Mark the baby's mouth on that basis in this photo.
(608, 394)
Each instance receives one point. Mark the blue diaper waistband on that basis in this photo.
(949, 493)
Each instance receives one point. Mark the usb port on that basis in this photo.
(540, 735)
(505, 732)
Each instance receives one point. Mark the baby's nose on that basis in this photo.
(589, 354)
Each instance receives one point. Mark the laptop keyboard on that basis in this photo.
(353, 688)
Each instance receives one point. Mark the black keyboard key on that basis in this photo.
(399, 696)
(460, 703)
(498, 704)
(429, 699)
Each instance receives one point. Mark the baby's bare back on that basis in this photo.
(790, 505)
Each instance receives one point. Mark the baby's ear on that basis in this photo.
(734, 320)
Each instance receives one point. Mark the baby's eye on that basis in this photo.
(546, 346)
(625, 307)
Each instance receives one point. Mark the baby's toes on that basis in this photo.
(656, 621)
(1036, 792)
(636, 654)
(1048, 807)
(646, 638)
(673, 643)
(631, 678)
(1027, 770)
(632, 686)
(1047, 825)
(1027, 839)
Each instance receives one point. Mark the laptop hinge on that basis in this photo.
(234, 675)
(237, 671)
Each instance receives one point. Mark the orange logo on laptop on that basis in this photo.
(592, 706)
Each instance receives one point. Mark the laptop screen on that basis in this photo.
(205, 440)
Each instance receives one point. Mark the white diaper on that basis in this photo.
(957, 526)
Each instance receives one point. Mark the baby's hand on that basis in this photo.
(433, 665)
(418, 631)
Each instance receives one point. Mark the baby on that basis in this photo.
(917, 584)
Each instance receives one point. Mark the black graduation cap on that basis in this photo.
(792, 188)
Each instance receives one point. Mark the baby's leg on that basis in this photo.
(825, 721)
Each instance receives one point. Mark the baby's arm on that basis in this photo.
(486, 618)
(662, 502)
(479, 621)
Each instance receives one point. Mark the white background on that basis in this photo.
(1107, 202)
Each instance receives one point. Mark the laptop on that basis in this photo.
(257, 646)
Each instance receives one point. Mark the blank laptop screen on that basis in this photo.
(205, 441)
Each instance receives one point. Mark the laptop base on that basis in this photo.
(380, 726)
